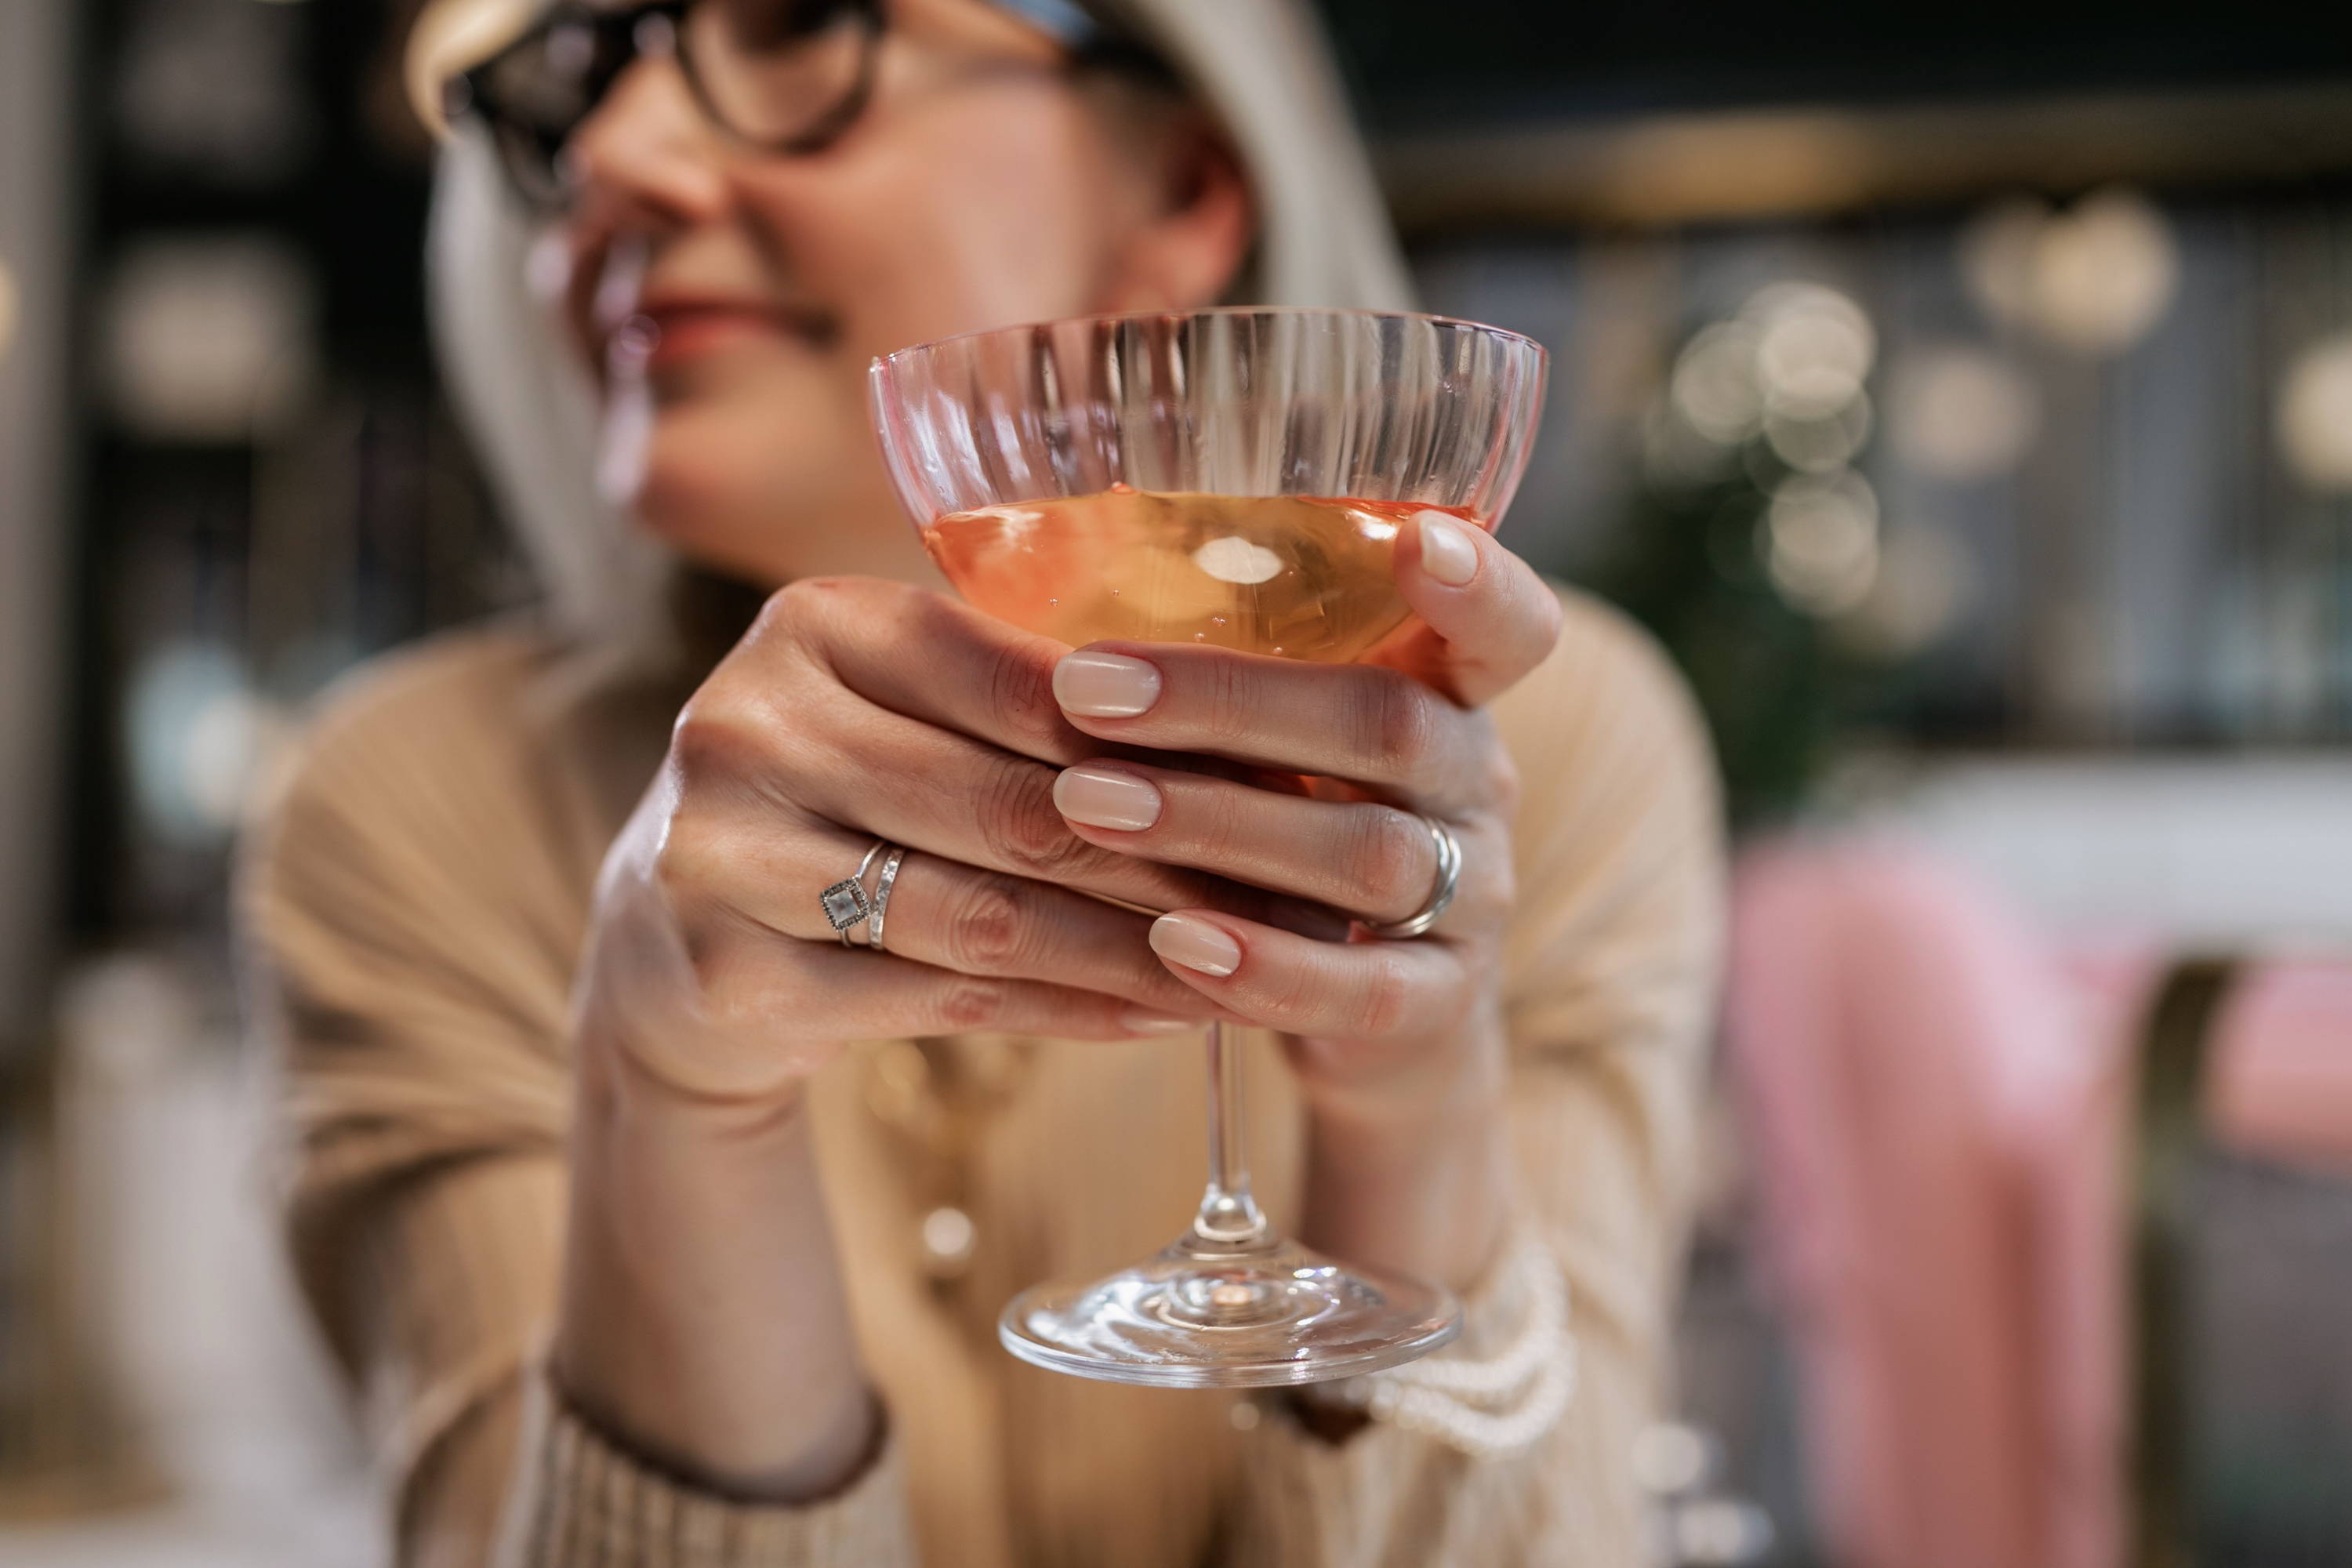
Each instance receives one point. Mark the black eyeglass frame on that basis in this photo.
(658, 28)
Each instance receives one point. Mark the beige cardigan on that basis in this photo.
(416, 904)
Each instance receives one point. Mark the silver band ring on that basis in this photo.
(846, 903)
(882, 886)
(1440, 894)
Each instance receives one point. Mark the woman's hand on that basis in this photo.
(857, 709)
(1399, 1044)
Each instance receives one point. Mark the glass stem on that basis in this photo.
(1229, 1215)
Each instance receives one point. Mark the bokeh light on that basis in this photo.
(1670, 1458)
(2095, 278)
(1997, 252)
(200, 740)
(2315, 415)
(1814, 347)
(209, 339)
(1820, 542)
(1925, 580)
(1791, 366)
(2105, 273)
(1962, 414)
(1822, 443)
(1715, 383)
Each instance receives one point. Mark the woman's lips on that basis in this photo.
(681, 333)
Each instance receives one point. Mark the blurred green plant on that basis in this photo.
(1753, 548)
(1685, 565)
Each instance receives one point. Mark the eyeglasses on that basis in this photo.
(784, 77)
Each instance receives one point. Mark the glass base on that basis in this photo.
(1206, 1315)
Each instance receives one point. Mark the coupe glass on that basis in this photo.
(1236, 478)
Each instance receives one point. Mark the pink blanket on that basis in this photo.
(1936, 1103)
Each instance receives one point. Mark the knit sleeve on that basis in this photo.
(411, 923)
(582, 1502)
(1611, 975)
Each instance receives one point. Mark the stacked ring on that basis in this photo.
(1449, 879)
(848, 905)
(882, 886)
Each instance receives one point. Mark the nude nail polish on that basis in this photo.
(1194, 943)
(1105, 685)
(1136, 1021)
(1446, 552)
(1106, 797)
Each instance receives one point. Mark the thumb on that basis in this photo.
(1486, 618)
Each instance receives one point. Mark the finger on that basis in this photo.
(936, 659)
(1486, 618)
(848, 994)
(1376, 727)
(873, 771)
(939, 913)
(1376, 862)
(1363, 991)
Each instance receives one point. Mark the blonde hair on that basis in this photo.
(451, 36)
(1261, 66)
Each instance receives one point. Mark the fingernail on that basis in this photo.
(1105, 685)
(1446, 552)
(1195, 943)
(1136, 1021)
(1106, 797)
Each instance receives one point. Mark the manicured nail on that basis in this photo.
(1136, 1021)
(1106, 797)
(1195, 943)
(1446, 552)
(1105, 685)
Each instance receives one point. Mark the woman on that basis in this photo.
(638, 1257)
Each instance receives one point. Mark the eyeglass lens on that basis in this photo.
(773, 73)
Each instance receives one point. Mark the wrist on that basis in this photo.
(1415, 1173)
(617, 1087)
(701, 1320)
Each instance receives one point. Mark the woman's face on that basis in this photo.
(732, 300)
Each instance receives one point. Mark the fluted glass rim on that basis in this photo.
(1111, 318)
(1051, 404)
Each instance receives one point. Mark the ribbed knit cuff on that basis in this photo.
(1495, 1309)
(585, 1503)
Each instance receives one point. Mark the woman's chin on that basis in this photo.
(686, 516)
(764, 528)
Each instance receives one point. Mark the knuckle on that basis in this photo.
(1486, 899)
(790, 609)
(1021, 687)
(1502, 783)
(1499, 888)
(820, 609)
(716, 735)
(971, 1002)
(1394, 725)
(987, 929)
(1296, 1000)
(712, 942)
(687, 856)
(1020, 827)
(1379, 1004)
(1230, 705)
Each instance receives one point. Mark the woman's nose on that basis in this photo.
(649, 153)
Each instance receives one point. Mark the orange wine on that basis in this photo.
(1302, 576)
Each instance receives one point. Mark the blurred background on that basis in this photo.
(1963, 393)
